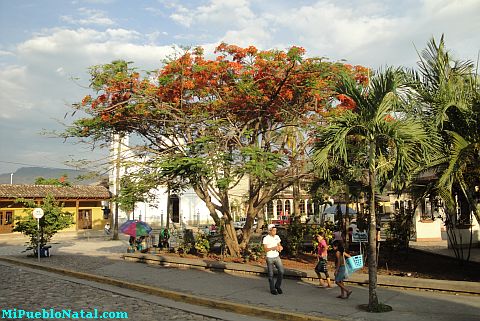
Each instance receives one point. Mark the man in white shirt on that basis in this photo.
(271, 245)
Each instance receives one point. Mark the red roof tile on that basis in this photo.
(59, 192)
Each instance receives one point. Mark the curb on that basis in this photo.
(463, 287)
(176, 296)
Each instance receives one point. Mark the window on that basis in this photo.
(270, 209)
(279, 208)
(309, 207)
(8, 218)
(287, 207)
(302, 207)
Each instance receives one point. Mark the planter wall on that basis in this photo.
(463, 236)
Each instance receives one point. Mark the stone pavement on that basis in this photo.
(52, 291)
(46, 292)
(103, 258)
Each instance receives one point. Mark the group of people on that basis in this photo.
(139, 244)
(272, 246)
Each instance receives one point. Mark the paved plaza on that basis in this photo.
(103, 258)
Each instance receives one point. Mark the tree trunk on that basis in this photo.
(247, 229)
(372, 238)
(347, 216)
(230, 237)
(260, 220)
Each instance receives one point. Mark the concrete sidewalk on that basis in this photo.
(305, 275)
(300, 298)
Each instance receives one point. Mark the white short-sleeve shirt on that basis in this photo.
(272, 241)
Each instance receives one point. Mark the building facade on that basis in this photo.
(86, 203)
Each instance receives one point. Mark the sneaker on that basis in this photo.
(279, 291)
(274, 292)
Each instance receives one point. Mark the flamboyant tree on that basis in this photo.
(211, 124)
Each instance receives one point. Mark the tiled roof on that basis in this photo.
(59, 192)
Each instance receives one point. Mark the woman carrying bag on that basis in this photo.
(341, 269)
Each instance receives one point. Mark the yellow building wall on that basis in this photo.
(98, 223)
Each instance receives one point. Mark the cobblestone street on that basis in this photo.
(22, 289)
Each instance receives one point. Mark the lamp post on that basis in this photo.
(11, 178)
(38, 214)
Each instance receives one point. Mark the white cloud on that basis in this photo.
(14, 98)
(371, 32)
(6, 53)
(216, 13)
(89, 17)
(39, 88)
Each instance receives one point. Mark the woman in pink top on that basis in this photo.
(322, 260)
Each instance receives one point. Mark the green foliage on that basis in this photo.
(448, 97)
(261, 164)
(327, 230)
(131, 192)
(62, 181)
(102, 75)
(299, 234)
(400, 229)
(54, 220)
(254, 251)
(202, 245)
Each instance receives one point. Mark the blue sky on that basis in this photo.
(45, 44)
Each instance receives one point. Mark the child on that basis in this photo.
(340, 269)
(322, 260)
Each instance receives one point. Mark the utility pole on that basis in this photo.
(118, 140)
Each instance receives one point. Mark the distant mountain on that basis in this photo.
(28, 175)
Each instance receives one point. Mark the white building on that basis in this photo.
(187, 208)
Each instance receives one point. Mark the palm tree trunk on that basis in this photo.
(347, 216)
(372, 239)
(296, 199)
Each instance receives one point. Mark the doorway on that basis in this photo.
(84, 221)
(175, 206)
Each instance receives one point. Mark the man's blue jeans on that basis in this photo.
(277, 262)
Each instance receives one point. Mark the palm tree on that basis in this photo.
(394, 142)
(448, 95)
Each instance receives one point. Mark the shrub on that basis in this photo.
(202, 245)
(53, 220)
(187, 242)
(298, 234)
